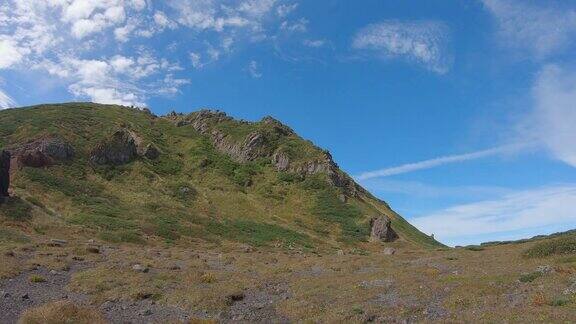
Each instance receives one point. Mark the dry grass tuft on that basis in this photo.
(61, 313)
(37, 279)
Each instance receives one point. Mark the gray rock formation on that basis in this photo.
(4, 173)
(261, 144)
(122, 147)
(118, 149)
(43, 152)
(381, 230)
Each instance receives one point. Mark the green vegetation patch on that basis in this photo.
(329, 208)
(16, 209)
(529, 277)
(258, 234)
(557, 246)
(9, 235)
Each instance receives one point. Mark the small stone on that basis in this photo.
(54, 272)
(231, 299)
(140, 268)
(545, 269)
(93, 249)
(339, 252)
(4, 294)
(57, 242)
(389, 251)
(175, 267)
(25, 296)
(147, 312)
(91, 241)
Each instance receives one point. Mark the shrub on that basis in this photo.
(474, 248)
(208, 278)
(529, 277)
(61, 312)
(557, 246)
(37, 279)
(559, 302)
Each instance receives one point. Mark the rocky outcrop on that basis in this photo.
(118, 149)
(263, 143)
(381, 230)
(4, 173)
(122, 147)
(43, 152)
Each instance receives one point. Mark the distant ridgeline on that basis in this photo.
(131, 176)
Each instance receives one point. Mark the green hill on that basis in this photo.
(126, 175)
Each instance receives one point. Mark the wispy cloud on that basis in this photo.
(553, 119)
(439, 161)
(514, 215)
(412, 189)
(254, 70)
(6, 101)
(542, 29)
(423, 42)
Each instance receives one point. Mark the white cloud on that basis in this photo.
(528, 212)
(6, 101)
(553, 119)
(254, 70)
(314, 43)
(424, 42)
(196, 59)
(163, 21)
(439, 161)
(541, 29)
(284, 10)
(98, 49)
(298, 26)
(414, 189)
(10, 53)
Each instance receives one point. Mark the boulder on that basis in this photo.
(150, 152)
(4, 173)
(389, 251)
(118, 149)
(43, 152)
(381, 230)
(122, 147)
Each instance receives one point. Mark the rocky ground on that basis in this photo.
(138, 284)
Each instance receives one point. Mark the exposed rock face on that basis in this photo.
(119, 149)
(122, 147)
(43, 152)
(260, 144)
(4, 173)
(381, 230)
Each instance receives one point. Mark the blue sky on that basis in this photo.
(460, 113)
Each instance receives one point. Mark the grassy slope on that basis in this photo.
(250, 202)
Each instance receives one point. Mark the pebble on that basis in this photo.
(389, 251)
(140, 268)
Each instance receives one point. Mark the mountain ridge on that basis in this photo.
(204, 175)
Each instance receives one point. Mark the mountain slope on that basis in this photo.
(129, 176)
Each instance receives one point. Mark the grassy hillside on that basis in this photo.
(192, 191)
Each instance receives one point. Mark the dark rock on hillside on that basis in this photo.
(381, 230)
(43, 152)
(118, 149)
(151, 152)
(122, 147)
(4, 173)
